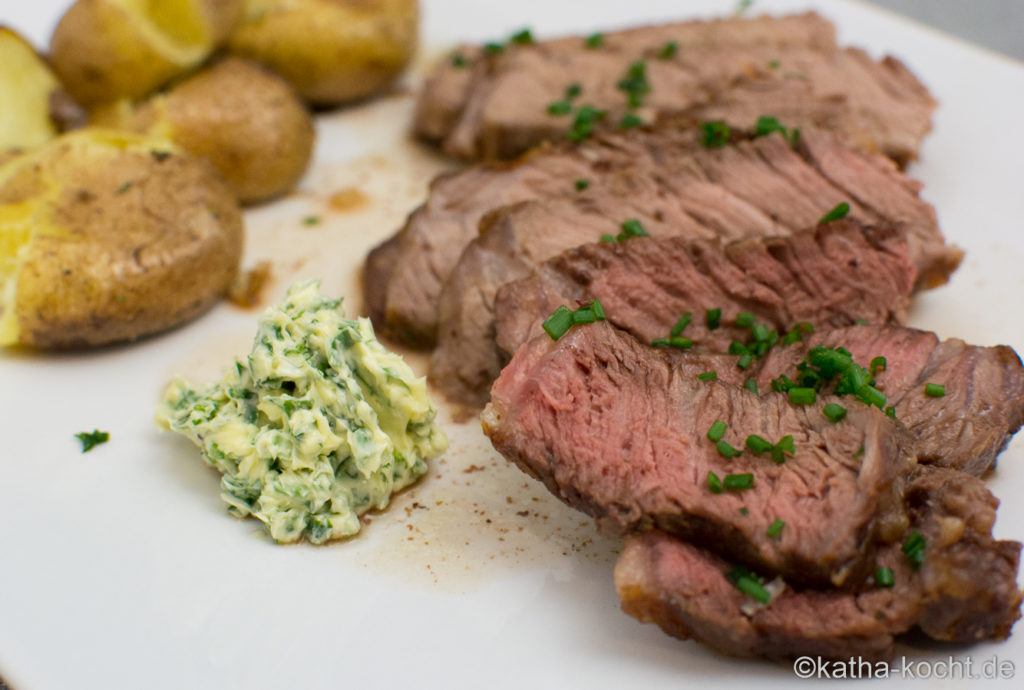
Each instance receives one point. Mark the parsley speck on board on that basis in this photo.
(92, 439)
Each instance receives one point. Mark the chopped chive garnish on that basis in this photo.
(634, 228)
(761, 332)
(744, 319)
(862, 322)
(891, 411)
(737, 348)
(884, 578)
(775, 529)
(584, 315)
(573, 90)
(714, 319)
(494, 48)
(582, 183)
(598, 310)
(766, 125)
(659, 342)
(311, 220)
(524, 37)
(681, 324)
(728, 451)
(913, 549)
(676, 341)
(802, 396)
(774, 64)
(92, 439)
(459, 60)
(934, 390)
(751, 385)
(877, 364)
(715, 135)
(708, 376)
(562, 107)
(745, 361)
(583, 124)
(744, 510)
(748, 583)
(782, 384)
(668, 51)
(630, 121)
(834, 412)
(714, 483)
(559, 322)
(594, 41)
(784, 447)
(607, 238)
(838, 212)
(872, 396)
(758, 444)
(635, 83)
(717, 430)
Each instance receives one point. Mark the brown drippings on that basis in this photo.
(248, 288)
(347, 199)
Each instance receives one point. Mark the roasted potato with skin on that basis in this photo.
(103, 50)
(246, 120)
(27, 87)
(109, 236)
(331, 51)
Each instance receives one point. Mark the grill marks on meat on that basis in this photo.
(753, 187)
(606, 424)
(965, 590)
(733, 70)
(830, 276)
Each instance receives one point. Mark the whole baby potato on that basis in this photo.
(331, 51)
(244, 119)
(103, 50)
(109, 236)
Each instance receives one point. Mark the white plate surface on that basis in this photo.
(120, 568)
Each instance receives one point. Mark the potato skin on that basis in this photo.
(26, 87)
(331, 51)
(138, 238)
(102, 51)
(244, 119)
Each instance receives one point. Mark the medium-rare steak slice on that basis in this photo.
(752, 186)
(610, 428)
(964, 591)
(830, 276)
(485, 105)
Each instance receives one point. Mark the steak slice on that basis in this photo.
(611, 429)
(964, 591)
(831, 276)
(791, 63)
(752, 186)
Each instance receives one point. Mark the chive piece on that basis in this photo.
(775, 529)
(708, 376)
(633, 228)
(715, 134)
(659, 342)
(717, 430)
(872, 396)
(728, 451)
(681, 324)
(681, 343)
(311, 220)
(573, 90)
(738, 482)
(838, 212)
(635, 83)
(784, 447)
(934, 390)
(774, 64)
(559, 322)
(862, 322)
(802, 396)
(745, 361)
(668, 51)
(584, 315)
(758, 444)
(751, 385)
(877, 364)
(745, 581)
(782, 384)
(744, 510)
(884, 578)
(494, 48)
(834, 412)
(92, 439)
(714, 483)
(459, 60)
(583, 124)
(714, 319)
(607, 238)
(891, 411)
(594, 41)
(524, 37)
(598, 310)
(562, 107)
(582, 183)
(761, 333)
(744, 319)
(913, 548)
(630, 121)
(737, 348)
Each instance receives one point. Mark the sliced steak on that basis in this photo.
(610, 428)
(833, 275)
(964, 591)
(757, 186)
(484, 106)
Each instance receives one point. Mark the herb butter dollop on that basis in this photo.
(319, 424)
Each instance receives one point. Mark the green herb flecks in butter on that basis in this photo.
(317, 426)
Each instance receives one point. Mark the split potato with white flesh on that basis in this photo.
(244, 119)
(103, 50)
(330, 51)
(27, 90)
(109, 236)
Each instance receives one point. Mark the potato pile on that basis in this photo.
(132, 225)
